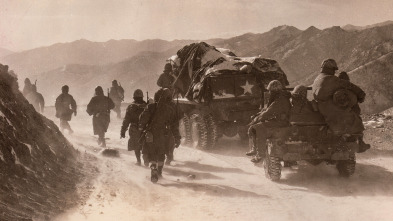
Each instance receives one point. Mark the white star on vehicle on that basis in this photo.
(247, 88)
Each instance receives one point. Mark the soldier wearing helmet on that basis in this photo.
(156, 121)
(65, 106)
(99, 107)
(276, 115)
(130, 122)
(116, 93)
(340, 120)
(166, 79)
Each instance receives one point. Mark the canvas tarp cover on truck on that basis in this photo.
(201, 65)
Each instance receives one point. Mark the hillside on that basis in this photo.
(140, 71)
(376, 78)
(39, 168)
(298, 52)
(5, 52)
(350, 27)
(83, 52)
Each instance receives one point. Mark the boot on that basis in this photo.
(363, 146)
(252, 152)
(154, 174)
(256, 159)
(103, 143)
(138, 163)
(160, 170)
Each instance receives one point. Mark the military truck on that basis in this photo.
(218, 92)
(312, 141)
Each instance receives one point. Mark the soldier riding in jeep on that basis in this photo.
(325, 129)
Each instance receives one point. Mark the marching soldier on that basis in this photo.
(130, 122)
(65, 106)
(116, 93)
(155, 121)
(100, 106)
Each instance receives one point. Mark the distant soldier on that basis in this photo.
(276, 115)
(131, 119)
(335, 98)
(166, 79)
(65, 106)
(36, 99)
(100, 106)
(28, 87)
(154, 121)
(116, 93)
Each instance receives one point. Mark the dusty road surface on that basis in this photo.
(227, 186)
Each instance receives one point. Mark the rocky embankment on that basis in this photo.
(39, 168)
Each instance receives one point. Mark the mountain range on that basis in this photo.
(83, 64)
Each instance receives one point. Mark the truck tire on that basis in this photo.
(185, 130)
(272, 165)
(346, 168)
(212, 128)
(199, 131)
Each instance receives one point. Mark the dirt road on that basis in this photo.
(227, 186)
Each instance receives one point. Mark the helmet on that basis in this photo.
(329, 64)
(27, 81)
(168, 67)
(160, 95)
(99, 90)
(274, 85)
(343, 75)
(114, 83)
(300, 90)
(65, 89)
(138, 93)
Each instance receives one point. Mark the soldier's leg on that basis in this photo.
(263, 134)
(62, 126)
(251, 142)
(68, 127)
(160, 163)
(138, 157)
(101, 139)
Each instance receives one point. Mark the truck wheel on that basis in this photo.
(185, 130)
(199, 131)
(346, 168)
(272, 165)
(212, 129)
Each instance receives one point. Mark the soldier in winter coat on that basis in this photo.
(335, 98)
(100, 106)
(275, 116)
(116, 93)
(156, 120)
(65, 106)
(166, 79)
(131, 121)
(36, 99)
(28, 87)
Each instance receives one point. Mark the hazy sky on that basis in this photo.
(26, 24)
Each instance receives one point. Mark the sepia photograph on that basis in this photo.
(166, 110)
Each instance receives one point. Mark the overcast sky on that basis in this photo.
(26, 24)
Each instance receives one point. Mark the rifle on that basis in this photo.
(147, 96)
